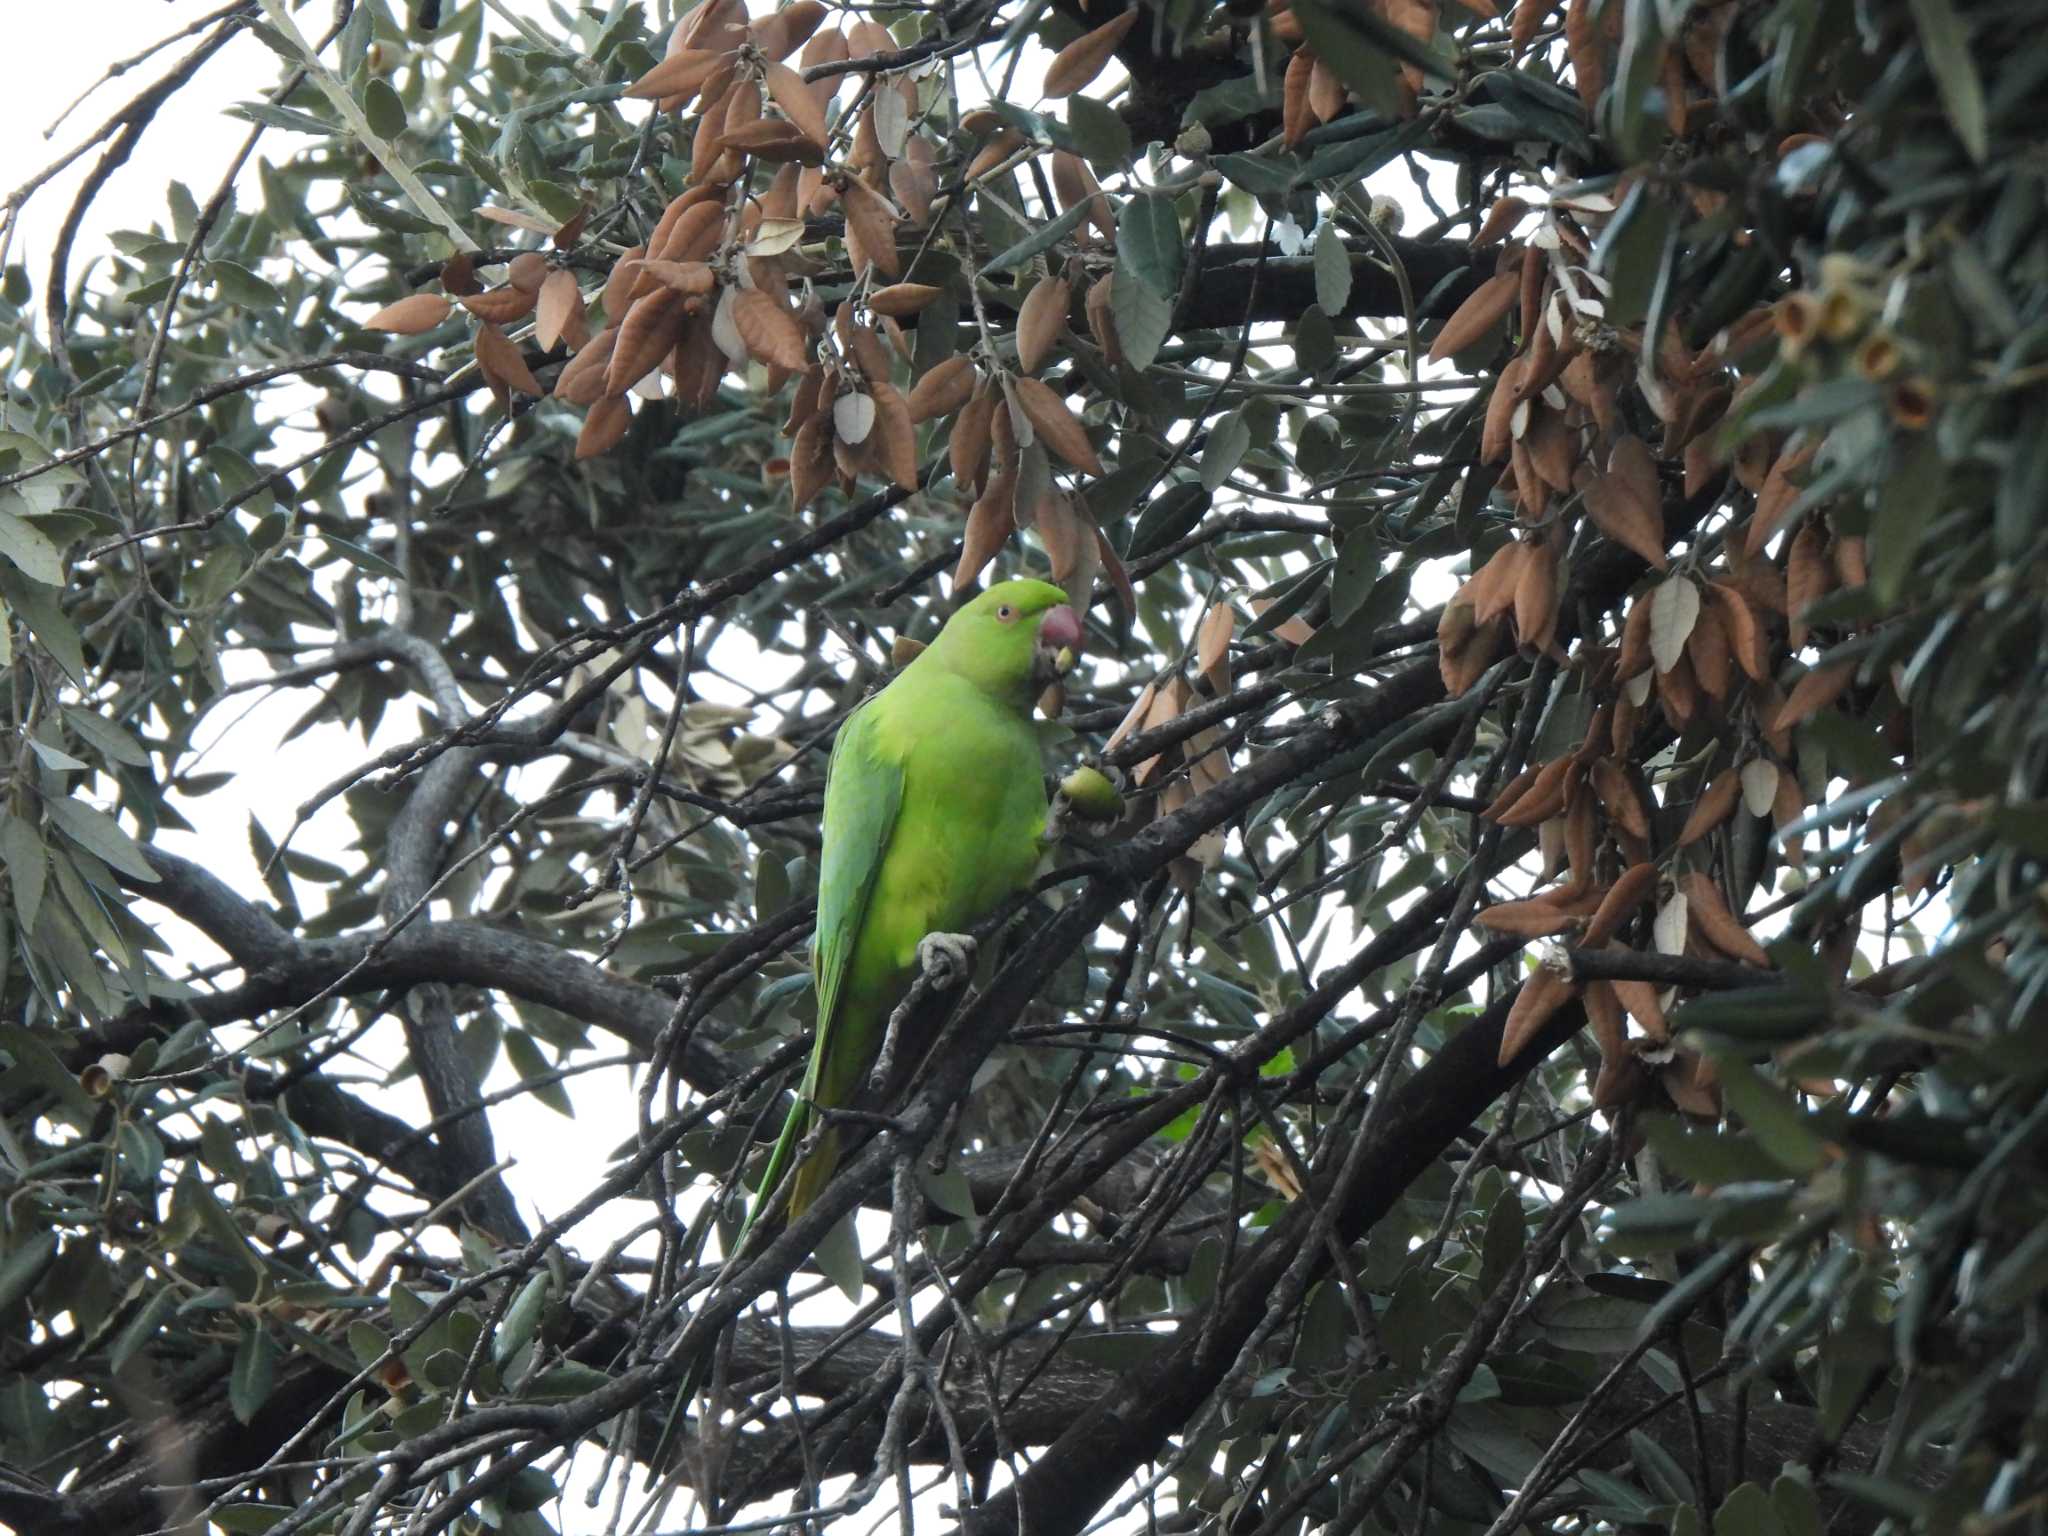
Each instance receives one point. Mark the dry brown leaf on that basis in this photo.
(1532, 919)
(1528, 21)
(499, 306)
(1745, 633)
(1101, 322)
(793, 98)
(1808, 578)
(1587, 52)
(620, 283)
(1552, 446)
(1294, 629)
(1542, 800)
(782, 32)
(1541, 996)
(581, 381)
(1212, 647)
(1325, 93)
(1500, 221)
(1491, 591)
(1536, 598)
(772, 334)
(1057, 426)
(1272, 1164)
(679, 75)
(411, 315)
(810, 460)
(1042, 319)
(1813, 693)
(603, 426)
(1712, 920)
(1297, 115)
(1133, 717)
(871, 216)
(1715, 805)
(1776, 497)
(1610, 1025)
(1623, 899)
(895, 435)
(1496, 433)
(503, 363)
(944, 389)
(559, 309)
(989, 523)
(1634, 656)
(651, 326)
(1472, 319)
(973, 438)
(1077, 64)
(1851, 559)
(1510, 792)
(1640, 999)
(901, 299)
(1624, 806)
(1787, 806)
(1708, 649)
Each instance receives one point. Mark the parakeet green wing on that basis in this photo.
(863, 796)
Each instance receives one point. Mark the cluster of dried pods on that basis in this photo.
(1712, 648)
(722, 280)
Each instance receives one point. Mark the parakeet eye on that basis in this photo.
(1005, 613)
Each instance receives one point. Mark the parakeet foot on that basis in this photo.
(947, 959)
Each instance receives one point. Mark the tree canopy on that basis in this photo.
(1555, 1043)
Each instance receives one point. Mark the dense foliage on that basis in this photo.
(1556, 1042)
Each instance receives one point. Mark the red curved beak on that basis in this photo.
(1060, 629)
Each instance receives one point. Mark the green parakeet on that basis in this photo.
(935, 811)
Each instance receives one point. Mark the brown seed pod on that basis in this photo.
(902, 299)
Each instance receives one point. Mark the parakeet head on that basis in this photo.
(1012, 640)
